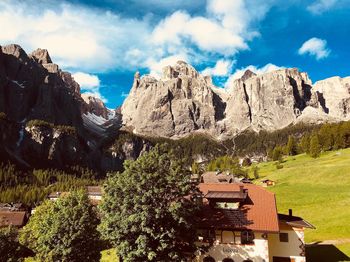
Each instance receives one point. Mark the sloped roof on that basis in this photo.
(294, 221)
(258, 212)
(15, 218)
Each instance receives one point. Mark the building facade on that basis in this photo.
(240, 223)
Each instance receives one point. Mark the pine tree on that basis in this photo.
(291, 147)
(315, 147)
(304, 144)
(277, 153)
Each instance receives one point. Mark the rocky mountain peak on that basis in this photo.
(95, 106)
(15, 51)
(180, 68)
(41, 56)
(247, 74)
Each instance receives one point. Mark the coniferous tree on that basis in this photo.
(291, 148)
(315, 147)
(304, 144)
(146, 212)
(277, 153)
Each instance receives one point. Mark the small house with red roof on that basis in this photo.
(239, 223)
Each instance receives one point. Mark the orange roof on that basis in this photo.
(15, 218)
(259, 209)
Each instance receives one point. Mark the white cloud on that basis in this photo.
(87, 81)
(208, 35)
(239, 72)
(315, 47)
(320, 6)
(222, 68)
(77, 37)
(89, 84)
(86, 39)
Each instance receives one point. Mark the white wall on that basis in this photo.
(293, 248)
(257, 252)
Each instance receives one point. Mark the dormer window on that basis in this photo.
(227, 205)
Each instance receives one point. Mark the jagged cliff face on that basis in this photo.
(179, 103)
(32, 87)
(183, 102)
(335, 96)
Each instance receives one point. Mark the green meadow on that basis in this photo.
(317, 190)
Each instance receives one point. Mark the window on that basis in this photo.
(228, 237)
(283, 237)
(227, 260)
(247, 260)
(247, 237)
(208, 259)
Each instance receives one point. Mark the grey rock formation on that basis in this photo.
(334, 93)
(182, 102)
(95, 106)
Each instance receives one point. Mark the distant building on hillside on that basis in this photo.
(239, 222)
(94, 193)
(267, 182)
(219, 177)
(13, 218)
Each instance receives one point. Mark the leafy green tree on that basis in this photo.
(10, 249)
(315, 147)
(64, 230)
(291, 148)
(146, 212)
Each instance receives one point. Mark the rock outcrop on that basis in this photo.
(334, 94)
(182, 102)
(94, 105)
(34, 88)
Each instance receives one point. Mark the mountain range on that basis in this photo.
(46, 121)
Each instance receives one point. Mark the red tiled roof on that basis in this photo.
(258, 213)
(15, 218)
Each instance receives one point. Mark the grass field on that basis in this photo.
(317, 190)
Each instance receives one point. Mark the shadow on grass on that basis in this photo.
(324, 253)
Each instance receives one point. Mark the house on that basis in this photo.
(94, 194)
(13, 218)
(55, 195)
(239, 222)
(267, 182)
(218, 177)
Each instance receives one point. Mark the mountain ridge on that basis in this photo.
(47, 122)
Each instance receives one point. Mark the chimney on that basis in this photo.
(241, 189)
(290, 211)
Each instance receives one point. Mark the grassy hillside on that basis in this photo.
(318, 190)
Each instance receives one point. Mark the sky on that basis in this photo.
(104, 42)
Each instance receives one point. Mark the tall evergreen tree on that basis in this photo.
(64, 230)
(315, 147)
(291, 147)
(146, 212)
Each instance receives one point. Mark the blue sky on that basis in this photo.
(103, 42)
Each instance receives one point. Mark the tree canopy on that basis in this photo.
(146, 210)
(64, 230)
